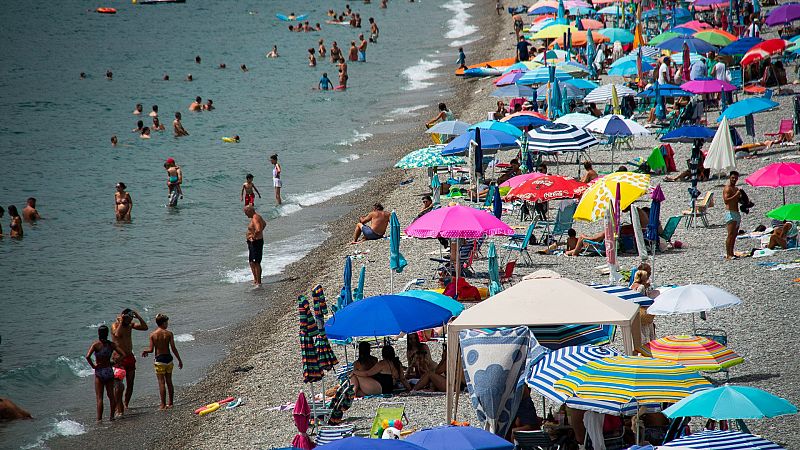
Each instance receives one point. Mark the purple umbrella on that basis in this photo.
(707, 86)
(709, 2)
(651, 234)
(784, 14)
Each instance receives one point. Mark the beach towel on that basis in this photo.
(656, 161)
(669, 157)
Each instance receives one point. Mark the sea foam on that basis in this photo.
(419, 74)
(457, 26)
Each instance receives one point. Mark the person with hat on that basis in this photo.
(174, 176)
(754, 30)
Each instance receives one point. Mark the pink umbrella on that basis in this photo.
(685, 69)
(776, 175)
(519, 179)
(696, 25)
(458, 221)
(302, 416)
(591, 24)
(707, 86)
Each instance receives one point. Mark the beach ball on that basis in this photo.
(391, 433)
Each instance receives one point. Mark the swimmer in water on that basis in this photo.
(154, 112)
(114, 140)
(244, 68)
(273, 53)
(145, 133)
(325, 82)
(343, 65)
(318, 27)
(342, 80)
(223, 66)
(249, 191)
(336, 52)
(83, 75)
(352, 55)
(291, 27)
(123, 202)
(373, 30)
(312, 60)
(383, 4)
(291, 16)
(138, 109)
(197, 104)
(321, 49)
(209, 106)
(166, 77)
(362, 49)
(174, 177)
(177, 126)
(139, 126)
(197, 59)
(157, 125)
(189, 77)
(307, 27)
(109, 75)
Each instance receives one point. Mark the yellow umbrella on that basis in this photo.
(553, 32)
(592, 206)
(615, 100)
(638, 38)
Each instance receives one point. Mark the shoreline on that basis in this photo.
(274, 326)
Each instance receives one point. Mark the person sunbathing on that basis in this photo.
(782, 137)
(572, 241)
(382, 377)
(590, 174)
(435, 380)
(418, 356)
(579, 245)
(779, 237)
(365, 359)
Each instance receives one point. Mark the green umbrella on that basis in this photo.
(662, 37)
(494, 271)
(790, 212)
(428, 157)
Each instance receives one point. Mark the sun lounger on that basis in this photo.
(389, 411)
(598, 247)
(669, 228)
(534, 440)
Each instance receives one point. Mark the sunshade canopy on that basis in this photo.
(731, 402)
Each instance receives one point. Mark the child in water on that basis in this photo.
(248, 189)
(325, 83)
(172, 181)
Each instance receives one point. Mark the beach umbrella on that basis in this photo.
(513, 90)
(783, 14)
(740, 46)
(689, 134)
(547, 188)
(386, 315)
(559, 137)
(582, 84)
(458, 438)
(358, 293)
(594, 200)
(603, 94)
(617, 34)
(720, 157)
(568, 91)
(625, 379)
(630, 68)
(776, 175)
(789, 212)
(554, 107)
(494, 270)
(490, 140)
(325, 356)
(519, 179)
(555, 337)
(554, 31)
(542, 10)
(308, 333)
(579, 39)
(615, 125)
(697, 25)
(610, 11)
(551, 55)
(449, 127)
(657, 196)
(695, 45)
(360, 443)
(436, 298)
(495, 125)
(716, 38)
(590, 24)
(721, 440)
(436, 188)
(458, 221)
(573, 68)
(660, 112)
(302, 418)
(747, 107)
(665, 36)
(624, 293)
(508, 79)
(590, 54)
(526, 119)
(561, 15)
(664, 90)
(579, 120)
(691, 298)
(710, 2)
(633, 57)
(542, 75)
(428, 157)
(710, 86)
(731, 402)
(763, 50)
(497, 203)
(695, 352)
(522, 66)
(346, 295)
(396, 260)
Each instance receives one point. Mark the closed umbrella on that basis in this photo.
(358, 294)
(494, 271)
(721, 440)
(436, 186)
(386, 315)
(458, 438)
(325, 356)
(720, 156)
(731, 402)
(308, 350)
(691, 298)
(436, 298)
(554, 109)
(611, 225)
(615, 108)
(695, 352)
(396, 260)
(346, 295)
(651, 234)
(661, 112)
(590, 54)
(497, 203)
(302, 417)
(776, 175)
(789, 212)
(593, 202)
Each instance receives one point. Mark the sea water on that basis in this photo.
(76, 269)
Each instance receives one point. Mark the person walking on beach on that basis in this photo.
(121, 331)
(249, 191)
(177, 126)
(522, 49)
(276, 178)
(730, 195)
(362, 48)
(373, 225)
(161, 341)
(102, 349)
(255, 242)
(462, 59)
(29, 212)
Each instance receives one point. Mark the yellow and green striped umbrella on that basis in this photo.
(696, 352)
(624, 379)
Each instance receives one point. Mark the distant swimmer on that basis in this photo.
(145, 133)
(307, 27)
(255, 242)
(16, 222)
(177, 126)
(383, 4)
(137, 109)
(325, 83)
(166, 77)
(109, 75)
(189, 77)
(83, 75)
(29, 212)
(2, 211)
(139, 126)
(352, 55)
(197, 104)
(157, 125)
(362, 49)
(154, 112)
(312, 60)
(358, 20)
(318, 27)
(249, 191)
(197, 59)
(347, 10)
(161, 341)
(336, 52)
(232, 140)
(373, 30)
(223, 66)
(291, 27)
(209, 106)
(342, 80)
(276, 178)
(291, 16)
(273, 53)
(321, 49)
(114, 140)
(244, 68)
(343, 65)
(331, 13)
(123, 203)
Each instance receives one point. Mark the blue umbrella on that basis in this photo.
(541, 75)
(554, 108)
(542, 10)
(396, 260)
(731, 402)
(358, 293)
(497, 204)
(695, 45)
(629, 68)
(494, 269)
(513, 90)
(458, 438)
(490, 140)
(651, 234)
(741, 46)
(495, 125)
(386, 315)
(527, 120)
(689, 133)
(633, 57)
(590, 55)
(360, 443)
(665, 90)
(436, 298)
(561, 16)
(582, 84)
(346, 295)
(747, 107)
(567, 91)
(722, 440)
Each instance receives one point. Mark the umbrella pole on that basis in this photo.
(653, 265)
(391, 280)
(784, 195)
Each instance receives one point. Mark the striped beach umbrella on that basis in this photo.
(624, 293)
(722, 440)
(542, 75)
(428, 157)
(558, 336)
(325, 356)
(308, 333)
(623, 379)
(603, 93)
(695, 352)
(560, 137)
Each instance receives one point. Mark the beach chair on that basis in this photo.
(466, 254)
(785, 128)
(390, 411)
(717, 335)
(556, 229)
(331, 433)
(700, 210)
(598, 247)
(670, 227)
(519, 243)
(534, 440)
(508, 273)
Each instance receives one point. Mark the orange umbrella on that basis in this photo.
(579, 39)
(591, 24)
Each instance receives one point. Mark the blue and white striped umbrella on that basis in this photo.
(624, 293)
(560, 137)
(723, 440)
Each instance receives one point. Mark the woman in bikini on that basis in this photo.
(102, 349)
(16, 222)
(381, 378)
(124, 203)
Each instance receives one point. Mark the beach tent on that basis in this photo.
(543, 298)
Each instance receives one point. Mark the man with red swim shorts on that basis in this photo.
(121, 335)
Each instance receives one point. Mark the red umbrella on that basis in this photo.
(546, 188)
(685, 69)
(302, 417)
(763, 50)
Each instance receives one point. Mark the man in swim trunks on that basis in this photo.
(197, 104)
(325, 83)
(373, 30)
(161, 341)
(362, 49)
(378, 220)
(255, 242)
(730, 195)
(121, 336)
(29, 212)
(177, 126)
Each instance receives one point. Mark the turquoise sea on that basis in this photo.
(77, 268)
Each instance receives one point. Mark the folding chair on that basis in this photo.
(508, 273)
(390, 411)
(557, 228)
(534, 440)
(700, 210)
(466, 254)
(519, 243)
(598, 247)
(330, 433)
(670, 227)
(785, 131)
(718, 335)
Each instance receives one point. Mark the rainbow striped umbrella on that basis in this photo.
(698, 353)
(558, 336)
(325, 356)
(308, 334)
(623, 379)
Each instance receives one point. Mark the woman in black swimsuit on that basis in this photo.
(103, 372)
(381, 378)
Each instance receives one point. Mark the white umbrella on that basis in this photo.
(692, 298)
(579, 120)
(614, 125)
(720, 154)
(603, 93)
(451, 127)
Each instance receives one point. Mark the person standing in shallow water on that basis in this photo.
(121, 332)
(255, 242)
(102, 349)
(16, 222)
(276, 178)
(161, 341)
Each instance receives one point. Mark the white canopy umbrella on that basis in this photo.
(579, 120)
(616, 125)
(720, 154)
(692, 298)
(449, 127)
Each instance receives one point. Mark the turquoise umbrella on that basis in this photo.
(437, 299)
(617, 34)
(590, 55)
(731, 402)
(494, 271)
(428, 157)
(505, 127)
(436, 188)
(396, 260)
(358, 293)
